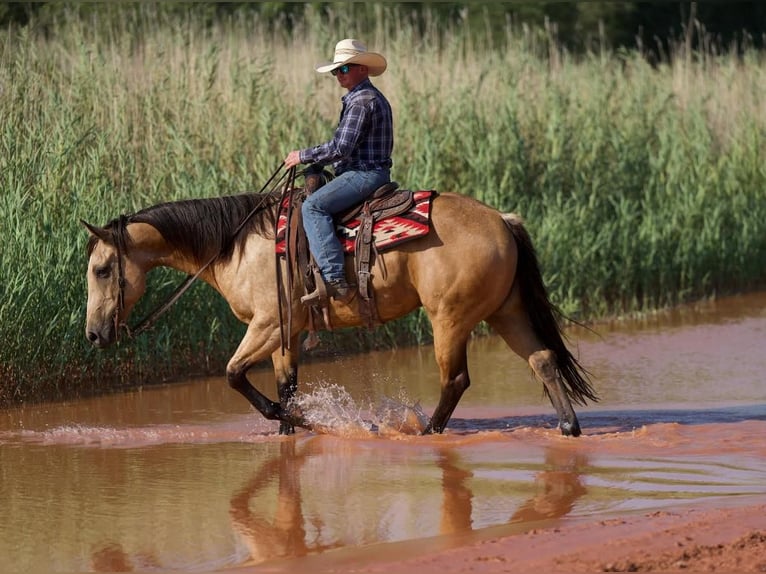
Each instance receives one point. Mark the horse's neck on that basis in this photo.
(151, 250)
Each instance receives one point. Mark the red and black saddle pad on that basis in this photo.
(386, 232)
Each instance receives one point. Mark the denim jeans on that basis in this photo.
(349, 188)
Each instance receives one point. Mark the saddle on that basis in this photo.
(386, 201)
(357, 230)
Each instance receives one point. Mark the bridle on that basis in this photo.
(161, 309)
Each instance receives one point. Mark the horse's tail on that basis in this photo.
(544, 316)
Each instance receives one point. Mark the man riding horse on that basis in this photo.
(360, 152)
(493, 277)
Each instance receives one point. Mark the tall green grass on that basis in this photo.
(642, 186)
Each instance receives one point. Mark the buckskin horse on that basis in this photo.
(474, 264)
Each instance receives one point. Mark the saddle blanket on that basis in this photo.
(386, 232)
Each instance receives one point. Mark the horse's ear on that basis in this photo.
(99, 232)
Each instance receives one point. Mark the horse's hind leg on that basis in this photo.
(451, 356)
(511, 323)
(543, 363)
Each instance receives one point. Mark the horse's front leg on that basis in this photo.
(260, 341)
(286, 373)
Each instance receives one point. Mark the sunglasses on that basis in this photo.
(343, 70)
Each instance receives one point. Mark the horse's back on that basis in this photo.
(467, 260)
(467, 232)
(463, 216)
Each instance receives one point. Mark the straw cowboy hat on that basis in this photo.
(350, 51)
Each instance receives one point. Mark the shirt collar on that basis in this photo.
(360, 86)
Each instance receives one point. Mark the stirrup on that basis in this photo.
(318, 296)
(341, 292)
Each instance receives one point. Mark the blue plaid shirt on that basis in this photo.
(364, 138)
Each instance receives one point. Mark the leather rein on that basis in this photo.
(186, 283)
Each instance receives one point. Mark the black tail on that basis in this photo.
(544, 316)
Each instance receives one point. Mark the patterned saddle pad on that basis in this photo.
(386, 232)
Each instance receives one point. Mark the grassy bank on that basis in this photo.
(641, 186)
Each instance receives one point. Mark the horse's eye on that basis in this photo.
(103, 272)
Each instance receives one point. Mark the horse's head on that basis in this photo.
(115, 283)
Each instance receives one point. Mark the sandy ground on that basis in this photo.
(728, 538)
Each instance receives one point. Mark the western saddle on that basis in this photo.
(386, 201)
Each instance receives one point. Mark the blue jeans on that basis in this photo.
(349, 188)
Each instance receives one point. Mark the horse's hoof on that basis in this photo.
(285, 428)
(293, 417)
(431, 430)
(570, 429)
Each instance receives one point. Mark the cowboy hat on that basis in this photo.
(350, 51)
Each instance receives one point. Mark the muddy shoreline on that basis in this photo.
(726, 536)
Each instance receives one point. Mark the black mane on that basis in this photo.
(204, 227)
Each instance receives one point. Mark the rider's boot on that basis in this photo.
(339, 290)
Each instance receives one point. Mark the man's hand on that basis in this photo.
(293, 158)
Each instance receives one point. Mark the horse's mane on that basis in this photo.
(202, 228)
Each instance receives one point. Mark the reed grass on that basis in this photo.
(642, 186)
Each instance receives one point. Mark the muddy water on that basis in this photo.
(186, 477)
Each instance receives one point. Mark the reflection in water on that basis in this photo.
(559, 488)
(283, 535)
(282, 532)
(111, 557)
(456, 494)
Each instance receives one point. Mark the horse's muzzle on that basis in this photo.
(100, 338)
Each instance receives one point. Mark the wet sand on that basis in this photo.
(730, 538)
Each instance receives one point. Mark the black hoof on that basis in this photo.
(431, 429)
(289, 419)
(570, 429)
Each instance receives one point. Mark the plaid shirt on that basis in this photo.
(364, 138)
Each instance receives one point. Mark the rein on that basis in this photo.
(282, 292)
(187, 283)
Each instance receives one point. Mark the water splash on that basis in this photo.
(241, 429)
(330, 409)
(395, 416)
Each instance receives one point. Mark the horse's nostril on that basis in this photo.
(92, 336)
